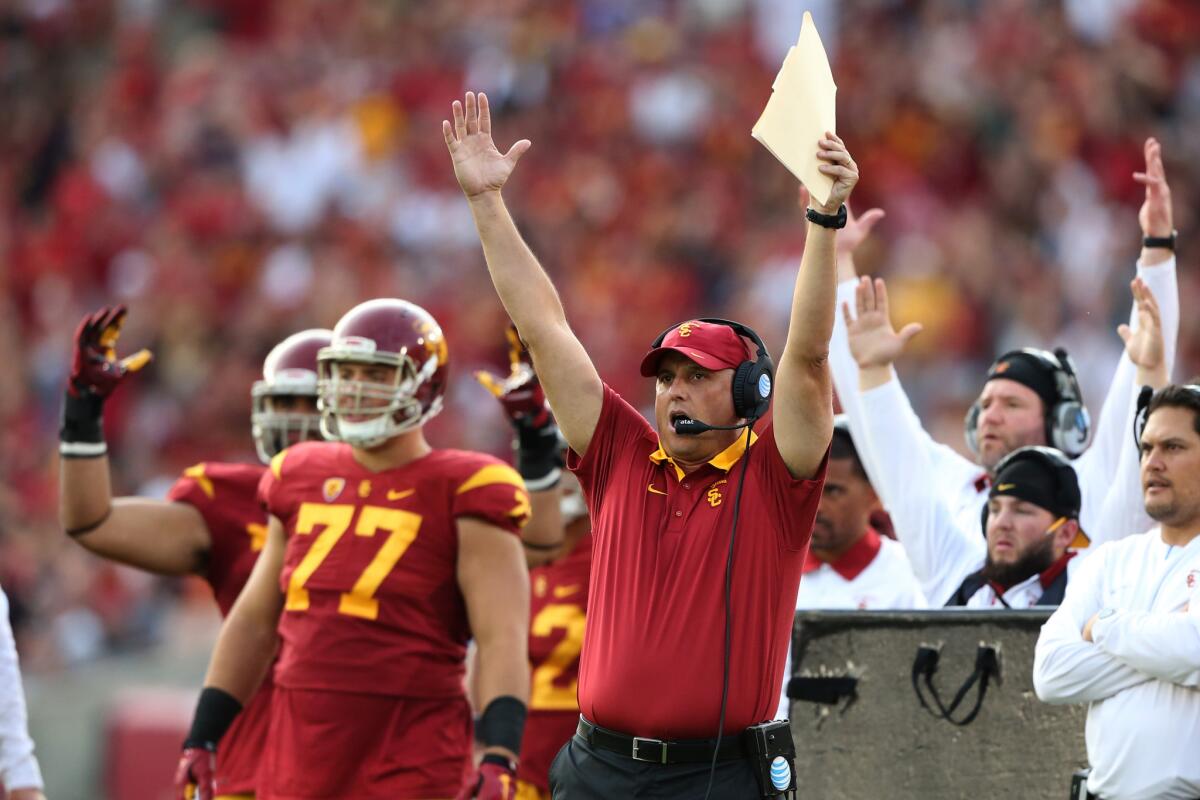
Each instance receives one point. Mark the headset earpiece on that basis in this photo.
(1139, 416)
(971, 427)
(1068, 424)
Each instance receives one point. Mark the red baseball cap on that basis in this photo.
(711, 345)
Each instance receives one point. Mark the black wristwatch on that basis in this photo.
(835, 221)
(1167, 242)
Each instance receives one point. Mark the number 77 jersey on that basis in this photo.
(372, 602)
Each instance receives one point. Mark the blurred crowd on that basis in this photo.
(235, 171)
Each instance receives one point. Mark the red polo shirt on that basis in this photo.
(653, 653)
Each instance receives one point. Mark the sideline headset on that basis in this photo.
(1068, 424)
(753, 385)
(1053, 460)
(753, 381)
(1145, 396)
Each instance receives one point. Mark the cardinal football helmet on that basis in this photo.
(394, 333)
(290, 370)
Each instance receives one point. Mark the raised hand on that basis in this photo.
(840, 167)
(1145, 344)
(857, 229)
(478, 165)
(520, 393)
(873, 340)
(1155, 213)
(95, 368)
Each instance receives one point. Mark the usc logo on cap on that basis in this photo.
(685, 330)
(1001, 368)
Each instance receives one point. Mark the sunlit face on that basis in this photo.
(1171, 467)
(683, 388)
(1011, 416)
(845, 508)
(355, 378)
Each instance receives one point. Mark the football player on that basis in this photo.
(211, 523)
(383, 557)
(558, 548)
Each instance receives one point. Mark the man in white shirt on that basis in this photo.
(1029, 398)
(850, 565)
(18, 766)
(1126, 639)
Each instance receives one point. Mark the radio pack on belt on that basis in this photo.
(765, 744)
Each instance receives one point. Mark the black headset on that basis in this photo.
(753, 381)
(1143, 409)
(1048, 457)
(1068, 423)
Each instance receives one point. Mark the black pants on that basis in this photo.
(582, 772)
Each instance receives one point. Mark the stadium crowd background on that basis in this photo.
(237, 171)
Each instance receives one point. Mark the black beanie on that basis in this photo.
(1028, 370)
(1038, 478)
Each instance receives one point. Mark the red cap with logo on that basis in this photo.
(711, 345)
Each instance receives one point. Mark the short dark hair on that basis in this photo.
(1178, 395)
(843, 448)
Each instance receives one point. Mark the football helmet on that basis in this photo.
(290, 370)
(394, 333)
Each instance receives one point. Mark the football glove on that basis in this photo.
(495, 779)
(195, 773)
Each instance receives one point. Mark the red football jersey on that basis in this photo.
(226, 496)
(379, 610)
(558, 608)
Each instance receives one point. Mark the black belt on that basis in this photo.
(659, 751)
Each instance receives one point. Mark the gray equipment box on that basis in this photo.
(865, 734)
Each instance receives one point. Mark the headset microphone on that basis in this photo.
(694, 427)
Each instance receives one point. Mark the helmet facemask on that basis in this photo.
(390, 408)
(274, 429)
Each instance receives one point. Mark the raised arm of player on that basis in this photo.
(163, 537)
(537, 446)
(572, 384)
(803, 407)
(244, 651)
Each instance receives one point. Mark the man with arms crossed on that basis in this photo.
(1126, 640)
(661, 504)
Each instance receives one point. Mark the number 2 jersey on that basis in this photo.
(558, 610)
(372, 602)
(226, 495)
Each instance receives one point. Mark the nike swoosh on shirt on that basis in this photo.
(395, 495)
(563, 591)
(650, 488)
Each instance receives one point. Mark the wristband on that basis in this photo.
(539, 455)
(81, 434)
(498, 760)
(1165, 242)
(834, 221)
(215, 711)
(502, 723)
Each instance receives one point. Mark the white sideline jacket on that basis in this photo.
(18, 766)
(1141, 675)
